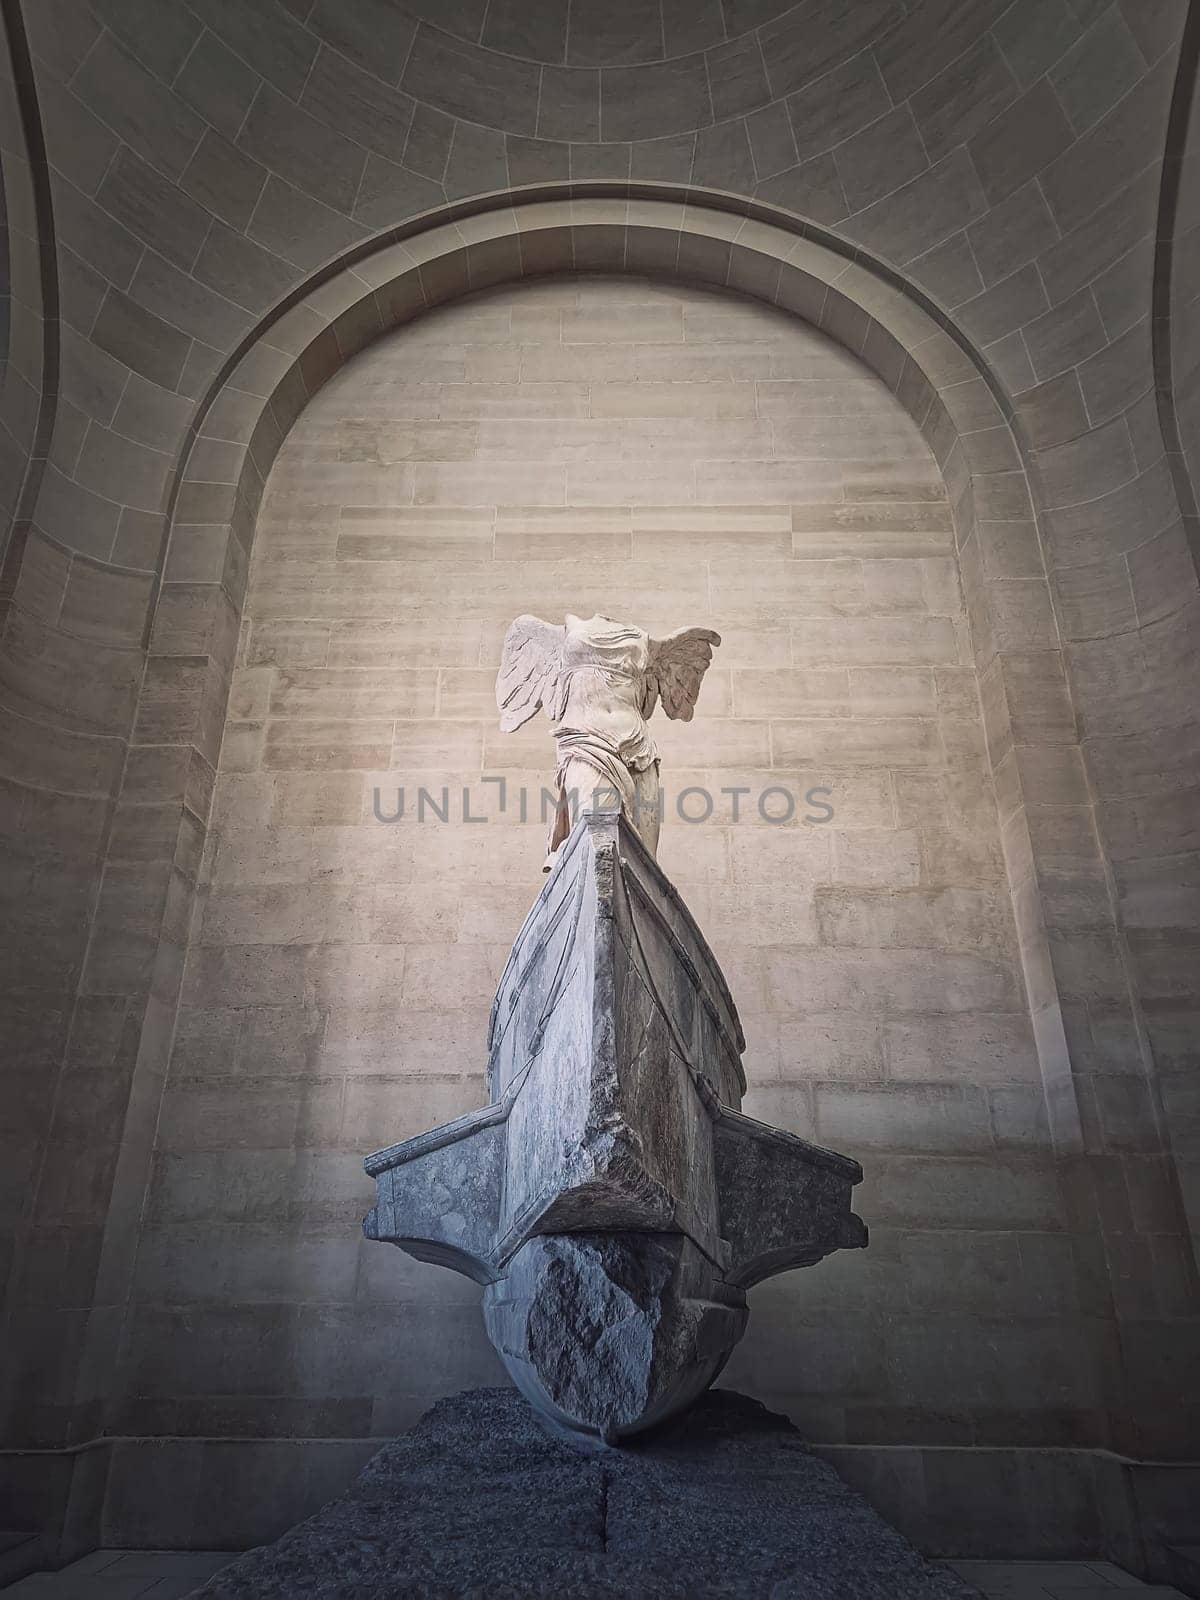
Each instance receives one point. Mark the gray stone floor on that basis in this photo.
(126, 1575)
(1055, 1580)
(173, 1574)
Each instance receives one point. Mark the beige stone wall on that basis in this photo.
(674, 457)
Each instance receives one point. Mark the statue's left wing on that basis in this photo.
(675, 669)
(528, 670)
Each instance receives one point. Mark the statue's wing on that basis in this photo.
(528, 670)
(675, 669)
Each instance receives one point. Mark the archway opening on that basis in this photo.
(673, 455)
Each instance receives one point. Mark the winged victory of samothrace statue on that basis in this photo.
(599, 681)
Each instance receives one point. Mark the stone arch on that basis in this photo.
(946, 385)
(29, 336)
(1018, 251)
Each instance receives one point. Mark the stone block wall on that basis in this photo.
(208, 160)
(669, 456)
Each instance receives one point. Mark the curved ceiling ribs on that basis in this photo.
(1174, 290)
(33, 264)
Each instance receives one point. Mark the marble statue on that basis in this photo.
(599, 681)
(612, 1198)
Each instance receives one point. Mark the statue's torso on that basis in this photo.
(601, 685)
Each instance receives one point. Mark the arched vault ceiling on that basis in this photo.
(593, 33)
(379, 109)
(586, 71)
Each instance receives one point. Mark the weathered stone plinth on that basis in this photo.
(612, 1197)
(480, 1500)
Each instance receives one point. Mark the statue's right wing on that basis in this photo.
(528, 670)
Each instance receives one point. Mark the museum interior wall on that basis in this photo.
(228, 980)
(651, 452)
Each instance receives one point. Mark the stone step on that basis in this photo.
(1184, 1562)
(20, 1554)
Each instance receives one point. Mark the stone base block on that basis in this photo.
(480, 1499)
(988, 1502)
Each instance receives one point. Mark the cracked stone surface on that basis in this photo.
(480, 1500)
(612, 1332)
(612, 1198)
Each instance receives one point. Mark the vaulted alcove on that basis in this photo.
(675, 455)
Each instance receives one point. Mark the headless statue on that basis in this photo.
(599, 682)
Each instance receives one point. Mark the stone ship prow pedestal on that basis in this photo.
(612, 1197)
